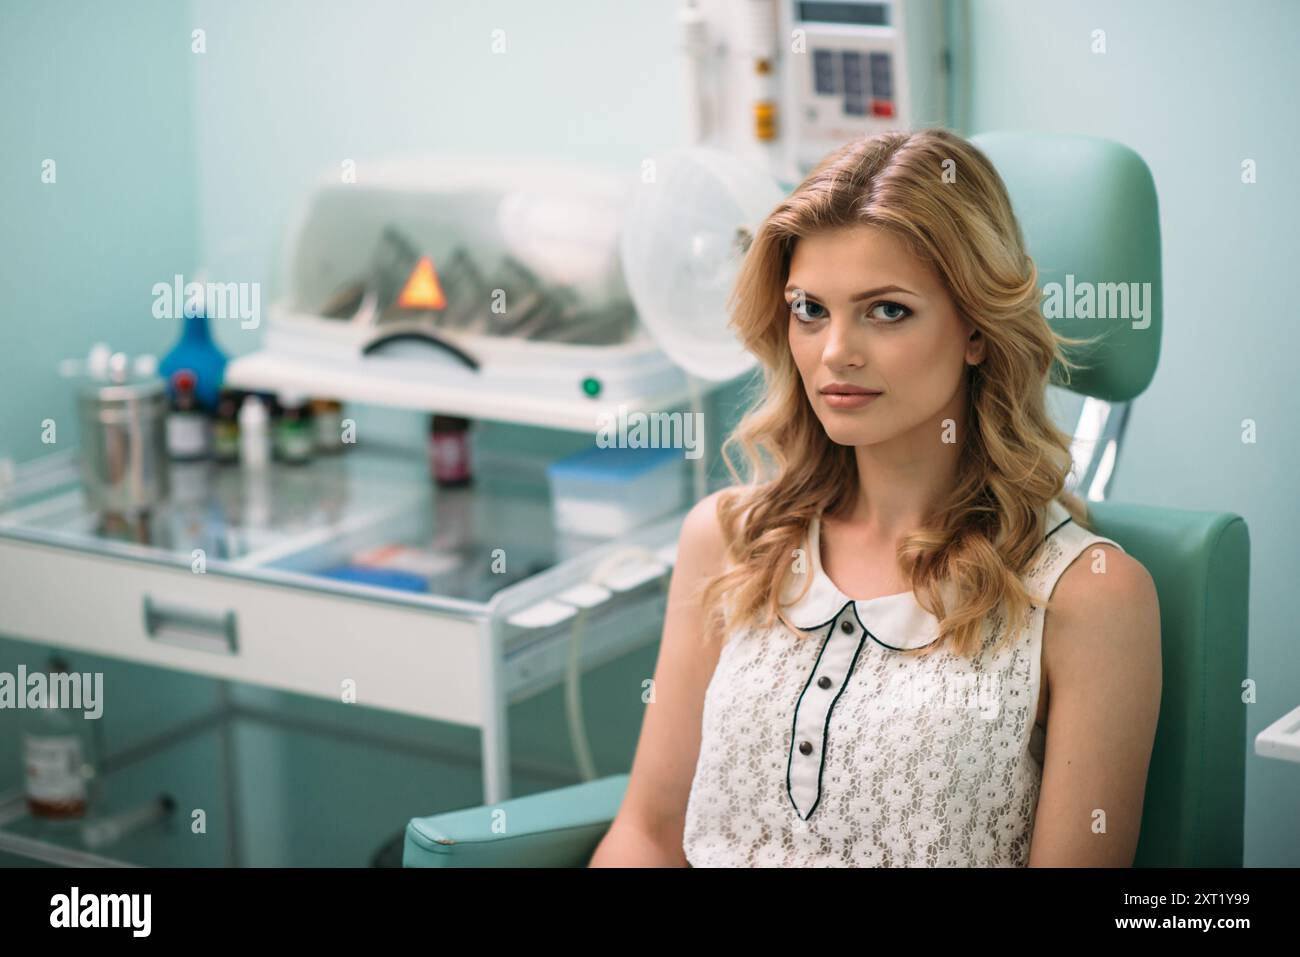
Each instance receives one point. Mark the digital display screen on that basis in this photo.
(858, 14)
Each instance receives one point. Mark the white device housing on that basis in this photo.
(562, 220)
(838, 70)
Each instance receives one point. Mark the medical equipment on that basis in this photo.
(481, 286)
(784, 82)
(519, 290)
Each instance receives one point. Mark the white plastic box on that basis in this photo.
(606, 492)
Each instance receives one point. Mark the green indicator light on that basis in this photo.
(591, 386)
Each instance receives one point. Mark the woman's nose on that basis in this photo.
(842, 346)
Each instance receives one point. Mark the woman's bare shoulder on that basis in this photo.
(703, 540)
(1103, 607)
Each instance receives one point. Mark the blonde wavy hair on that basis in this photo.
(1014, 460)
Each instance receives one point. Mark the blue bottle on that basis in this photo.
(196, 351)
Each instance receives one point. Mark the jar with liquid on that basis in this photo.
(56, 771)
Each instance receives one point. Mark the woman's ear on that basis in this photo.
(975, 347)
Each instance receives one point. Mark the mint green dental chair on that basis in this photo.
(1088, 208)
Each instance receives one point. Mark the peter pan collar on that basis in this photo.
(894, 621)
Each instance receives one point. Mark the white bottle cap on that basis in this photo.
(252, 412)
(97, 360)
(118, 367)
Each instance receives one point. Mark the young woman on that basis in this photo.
(897, 643)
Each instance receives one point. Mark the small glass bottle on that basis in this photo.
(328, 417)
(225, 427)
(196, 351)
(254, 434)
(294, 435)
(449, 450)
(56, 771)
(187, 423)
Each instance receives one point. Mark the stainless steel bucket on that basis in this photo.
(124, 464)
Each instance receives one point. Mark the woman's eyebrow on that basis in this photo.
(859, 296)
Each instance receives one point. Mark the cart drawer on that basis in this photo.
(405, 659)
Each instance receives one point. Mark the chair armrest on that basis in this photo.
(558, 828)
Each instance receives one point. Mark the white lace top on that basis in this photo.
(839, 749)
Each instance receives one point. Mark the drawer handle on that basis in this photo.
(189, 628)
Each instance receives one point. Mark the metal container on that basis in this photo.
(124, 464)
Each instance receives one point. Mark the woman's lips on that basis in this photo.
(843, 400)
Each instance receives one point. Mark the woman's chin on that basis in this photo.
(842, 434)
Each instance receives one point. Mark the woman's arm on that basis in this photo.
(647, 831)
(1101, 648)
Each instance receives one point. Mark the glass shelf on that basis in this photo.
(369, 521)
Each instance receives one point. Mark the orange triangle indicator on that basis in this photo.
(422, 289)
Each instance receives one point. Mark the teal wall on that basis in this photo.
(1195, 87)
(105, 91)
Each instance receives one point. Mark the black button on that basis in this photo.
(823, 682)
(846, 626)
(805, 747)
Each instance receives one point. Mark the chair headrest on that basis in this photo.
(1087, 207)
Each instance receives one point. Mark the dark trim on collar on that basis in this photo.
(867, 631)
(1057, 529)
(848, 676)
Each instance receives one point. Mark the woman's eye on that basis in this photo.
(807, 309)
(890, 311)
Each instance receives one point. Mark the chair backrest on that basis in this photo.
(1088, 210)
